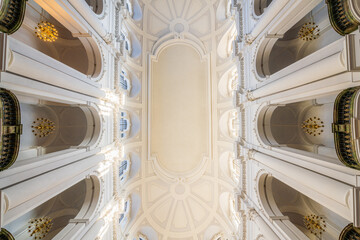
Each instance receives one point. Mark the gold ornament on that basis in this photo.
(315, 224)
(46, 31)
(39, 227)
(43, 127)
(309, 31)
(313, 126)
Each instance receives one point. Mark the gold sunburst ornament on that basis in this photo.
(315, 224)
(313, 126)
(309, 31)
(46, 31)
(39, 227)
(43, 127)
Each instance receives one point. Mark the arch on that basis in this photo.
(67, 210)
(226, 43)
(168, 41)
(302, 127)
(69, 126)
(230, 166)
(131, 45)
(228, 82)
(260, 6)
(97, 6)
(289, 209)
(71, 49)
(229, 124)
(276, 54)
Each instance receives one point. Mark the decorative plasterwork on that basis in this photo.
(180, 206)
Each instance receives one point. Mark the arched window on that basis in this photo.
(126, 42)
(124, 215)
(124, 83)
(124, 125)
(129, 7)
(124, 169)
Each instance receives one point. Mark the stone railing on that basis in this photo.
(10, 128)
(349, 233)
(12, 15)
(343, 126)
(342, 18)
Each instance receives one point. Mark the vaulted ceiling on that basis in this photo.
(184, 193)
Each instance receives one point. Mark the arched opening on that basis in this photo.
(297, 215)
(302, 127)
(124, 125)
(57, 42)
(50, 127)
(124, 169)
(97, 6)
(64, 211)
(229, 124)
(228, 82)
(260, 6)
(226, 44)
(230, 165)
(312, 33)
(125, 82)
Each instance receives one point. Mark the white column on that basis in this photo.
(83, 8)
(326, 67)
(270, 13)
(22, 197)
(94, 230)
(335, 195)
(262, 225)
(26, 61)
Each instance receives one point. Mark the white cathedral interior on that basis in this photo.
(180, 119)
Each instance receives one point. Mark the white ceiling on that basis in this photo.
(181, 182)
(179, 109)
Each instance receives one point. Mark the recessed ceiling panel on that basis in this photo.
(179, 109)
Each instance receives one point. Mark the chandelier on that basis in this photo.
(309, 31)
(46, 31)
(315, 224)
(43, 127)
(39, 227)
(313, 126)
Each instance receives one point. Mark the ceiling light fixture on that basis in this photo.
(46, 31)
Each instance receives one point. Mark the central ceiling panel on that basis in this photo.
(179, 127)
